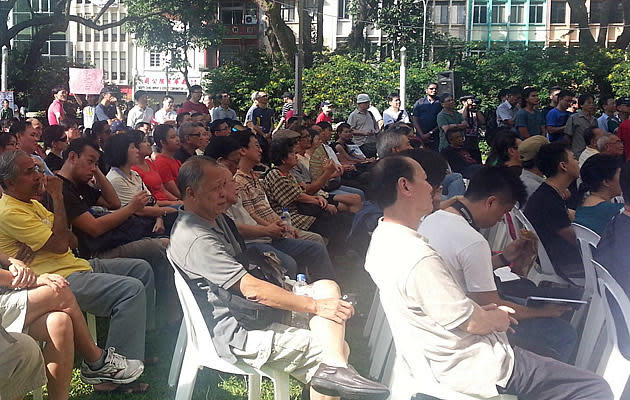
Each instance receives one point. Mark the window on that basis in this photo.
(114, 36)
(79, 33)
(123, 36)
(88, 35)
(80, 57)
(106, 65)
(558, 12)
(123, 66)
(287, 10)
(154, 59)
(480, 14)
(343, 12)
(97, 60)
(536, 13)
(88, 58)
(498, 14)
(460, 15)
(97, 36)
(114, 65)
(441, 14)
(114, 75)
(615, 15)
(232, 16)
(517, 12)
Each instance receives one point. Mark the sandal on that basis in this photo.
(129, 388)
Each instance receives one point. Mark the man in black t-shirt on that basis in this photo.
(94, 233)
(458, 157)
(547, 211)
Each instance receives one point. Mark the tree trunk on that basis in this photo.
(356, 39)
(603, 22)
(319, 44)
(284, 35)
(623, 40)
(580, 14)
(307, 40)
(34, 56)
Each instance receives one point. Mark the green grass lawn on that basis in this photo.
(212, 385)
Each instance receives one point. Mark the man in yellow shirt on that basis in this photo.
(122, 288)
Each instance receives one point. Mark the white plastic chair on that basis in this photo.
(198, 352)
(543, 271)
(613, 366)
(588, 240)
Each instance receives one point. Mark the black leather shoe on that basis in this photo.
(346, 383)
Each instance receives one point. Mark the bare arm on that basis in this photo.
(271, 295)
(61, 238)
(555, 129)
(155, 211)
(487, 319)
(171, 187)
(97, 226)
(521, 312)
(522, 130)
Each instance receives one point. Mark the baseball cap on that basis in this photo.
(117, 126)
(287, 95)
(326, 103)
(623, 101)
(530, 146)
(285, 134)
(363, 98)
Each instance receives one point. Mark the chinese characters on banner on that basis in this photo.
(86, 81)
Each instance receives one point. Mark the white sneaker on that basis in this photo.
(117, 369)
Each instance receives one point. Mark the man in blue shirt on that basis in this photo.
(558, 116)
(425, 113)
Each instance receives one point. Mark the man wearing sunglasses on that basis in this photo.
(190, 138)
(194, 104)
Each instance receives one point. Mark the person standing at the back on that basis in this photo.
(425, 113)
(56, 113)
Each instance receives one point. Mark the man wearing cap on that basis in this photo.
(425, 112)
(107, 110)
(531, 175)
(364, 126)
(623, 131)
(326, 114)
(287, 110)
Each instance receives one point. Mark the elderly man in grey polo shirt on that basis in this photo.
(506, 112)
(205, 245)
(364, 126)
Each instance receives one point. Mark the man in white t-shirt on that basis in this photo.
(452, 232)
(430, 315)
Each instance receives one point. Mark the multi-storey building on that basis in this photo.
(125, 64)
(57, 46)
(542, 22)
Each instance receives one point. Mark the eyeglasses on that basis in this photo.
(432, 88)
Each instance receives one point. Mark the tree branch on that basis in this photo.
(102, 10)
(91, 24)
(36, 21)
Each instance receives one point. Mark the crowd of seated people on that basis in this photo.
(89, 218)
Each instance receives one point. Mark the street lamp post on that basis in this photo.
(403, 77)
(424, 29)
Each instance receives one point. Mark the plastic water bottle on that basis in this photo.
(286, 217)
(286, 220)
(300, 288)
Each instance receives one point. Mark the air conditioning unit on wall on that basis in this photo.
(251, 20)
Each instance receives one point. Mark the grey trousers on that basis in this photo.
(122, 289)
(542, 378)
(152, 251)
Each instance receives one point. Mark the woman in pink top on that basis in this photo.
(151, 177)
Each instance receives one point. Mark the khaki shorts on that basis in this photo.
(21, 366)
(13, 309)
(280, 347)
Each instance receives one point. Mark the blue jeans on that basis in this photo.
(297, 256)
(553, 333)
(348, 190)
